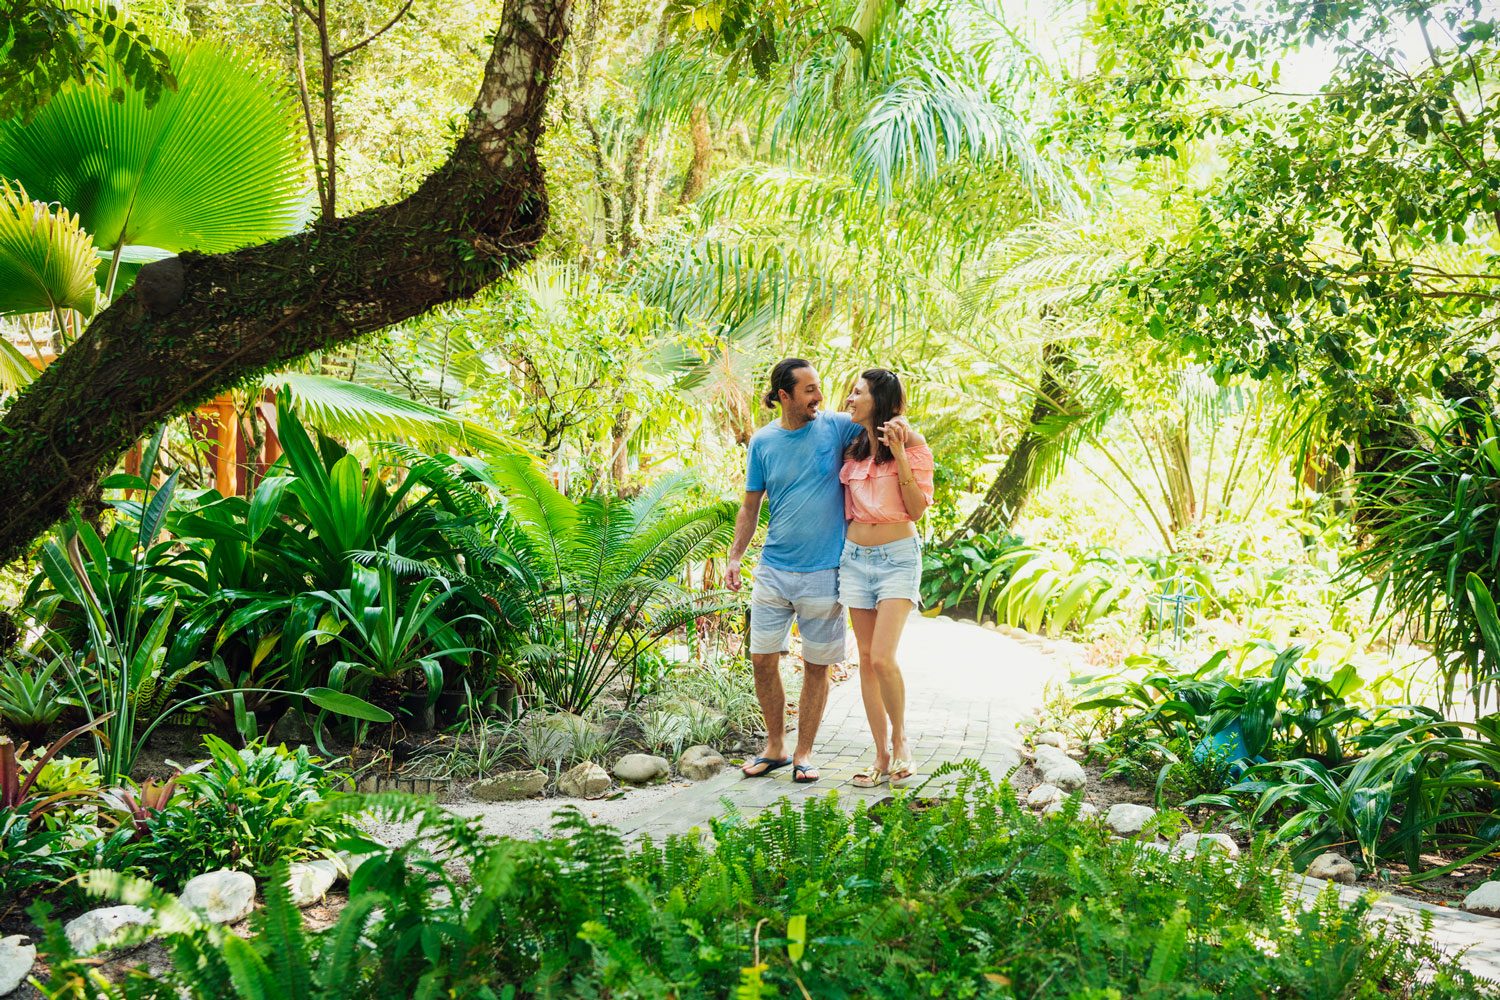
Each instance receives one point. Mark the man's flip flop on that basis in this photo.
(772, 763)
(800, 773)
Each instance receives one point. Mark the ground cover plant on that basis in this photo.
(966, 896)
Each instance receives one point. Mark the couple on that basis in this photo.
(865, 471)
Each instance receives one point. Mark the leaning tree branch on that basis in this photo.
(197, 324)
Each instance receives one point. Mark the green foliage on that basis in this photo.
(212, 166)
(387, 637)
(29, 697)
(592, 581)
(1422, 786)
(1342, 247)
(47, 261)
(1052, 589)
(976, 563)
(46, 45)
(1432, 516)
(951, 900)
(245, 809)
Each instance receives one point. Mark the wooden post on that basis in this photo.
(227, 451)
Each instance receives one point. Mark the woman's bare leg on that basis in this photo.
(870, 684)
(890, 620)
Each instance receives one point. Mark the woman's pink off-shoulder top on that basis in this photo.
(872, 493)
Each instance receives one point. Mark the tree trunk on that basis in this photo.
(703, 156)
(1012, 487)
(197, 324)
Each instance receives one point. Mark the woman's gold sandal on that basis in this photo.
(901, 769)
(869, 777)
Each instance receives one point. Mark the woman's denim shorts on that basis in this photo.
(869, 574)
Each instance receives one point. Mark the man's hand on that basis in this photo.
(733, 576)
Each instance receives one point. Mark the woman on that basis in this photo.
(887, 475)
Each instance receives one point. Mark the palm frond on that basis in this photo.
(349, 409)
(215, 165)
(16, 370)
(46, 259)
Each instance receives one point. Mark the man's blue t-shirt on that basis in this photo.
(799, 470)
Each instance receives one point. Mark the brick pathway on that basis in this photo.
(966, 686)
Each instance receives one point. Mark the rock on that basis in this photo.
(293, 729)
(1193, 843)
(1050, 738)
(1128, 819)
(700, 762)
(584, 781)
(641, 768)
(1043, 796)
(1086, 810)
(1485, 900)
(1059, 769)
(16, 958)
(507, 786)
(223, 896)
(348, 863)
(1336, 868)
(90, 931)
(310, 881)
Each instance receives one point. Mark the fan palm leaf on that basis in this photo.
(213, 166)
(46, 259)
(16, 370)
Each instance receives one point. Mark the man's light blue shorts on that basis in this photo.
(812, 599)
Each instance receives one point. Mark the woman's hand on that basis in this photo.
(894, 434)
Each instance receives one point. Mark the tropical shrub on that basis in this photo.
(245, 809)
(1052, 590)
(1432, 516)
(591, 583)
(975, 564)
(1427, 787)
(1195, 729)
(969, 897)
(29, 697)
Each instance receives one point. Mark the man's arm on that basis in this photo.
(744, 530)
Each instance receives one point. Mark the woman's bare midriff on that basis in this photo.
(879, 534)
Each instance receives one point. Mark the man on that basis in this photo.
(794, 465)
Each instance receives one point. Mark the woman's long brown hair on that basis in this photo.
(890, 401)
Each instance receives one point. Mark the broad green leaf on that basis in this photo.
(343, 703)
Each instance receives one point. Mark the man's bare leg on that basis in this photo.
(810, 710)
(772, 697)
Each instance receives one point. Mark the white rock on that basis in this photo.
(348, 863)
(1043, 796)
(1127, 819)
(1335, 868)
(1059, 769)
(641, 768)
(1050, 738)
(1086, 810)
(223, 896)
(1193, 843)
(309, 881)
(1485, 900)
(700, 762)
(584, 781)
(16, 958)
(89, 931)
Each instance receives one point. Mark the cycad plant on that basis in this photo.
(587, 586)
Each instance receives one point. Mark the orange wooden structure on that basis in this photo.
(218, 422)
